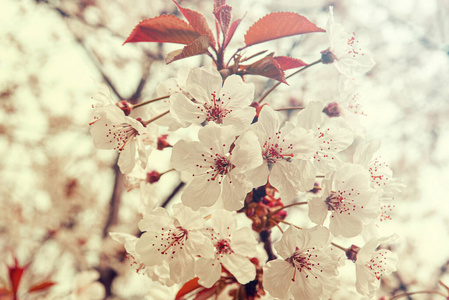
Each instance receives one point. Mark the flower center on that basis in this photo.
(215, 111)
(172, 240)
(334, 201)
(121, 134)
(273, 151)
(223, 247)
(303, 261)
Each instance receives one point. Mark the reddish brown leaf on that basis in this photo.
(15, 275)
(163, 29)
(287, 63)
(41, 286)
(188, 287)
(223, 15)
(231, 31)
(267, 67)
(277, 25)
(199, 46)
(197, 21)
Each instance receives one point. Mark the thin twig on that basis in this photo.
(420, 292)
(173, 194)
(150, 101)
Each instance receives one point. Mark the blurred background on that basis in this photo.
(59, 196)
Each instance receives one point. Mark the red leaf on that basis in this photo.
(41, 287)
(277, 25)
(15, 275)
(287, 63)
(188, 287)
(267, 67)
(223, 15)
(231, 31)
(163, 29)
(198, 22)
(199, 46)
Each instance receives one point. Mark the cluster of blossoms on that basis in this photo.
(249, 161)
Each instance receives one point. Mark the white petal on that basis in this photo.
(202, 82)
(200, 192)
(277, 277)
(234, 192)
(243, 242)
(199, 244)
(127, 158)
(259, 175)
(208, 271)
(239, 266)
(241, 118)
(192, 157)
(247, 153)
(318, 210)
(185, 111)
(236, 93)
(345, 225)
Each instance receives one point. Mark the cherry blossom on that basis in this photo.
(307, 269)
(176, 239)
(170, 87)
(232, 248)
(330, 137)
(286, 155)
(86, 286)
(344, 51)
(223, 103)
(387, 187)
(158, 273)
(372, 264)
(348, 197)
(217, 163)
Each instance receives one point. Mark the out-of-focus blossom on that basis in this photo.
(344, 51)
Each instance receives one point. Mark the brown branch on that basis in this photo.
(173, 194)
(265, 237)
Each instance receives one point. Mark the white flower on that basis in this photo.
(345, 51)
(111, 129)
(160, 273)
(371, 265)
(286, 155)
(348, 197)
(232, 248)
(170, 87)
(217, 170)
(387, 187)
(330, 138)
(176, 239)
(227, 104)
(307, 270)
(86, 286)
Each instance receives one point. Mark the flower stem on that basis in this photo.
(416, 293)
(287, 206)
(150, 101)
(166, 172)
(339, 247)
(288, 223)
(294, 73)
(289, 108)
(157, 117)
